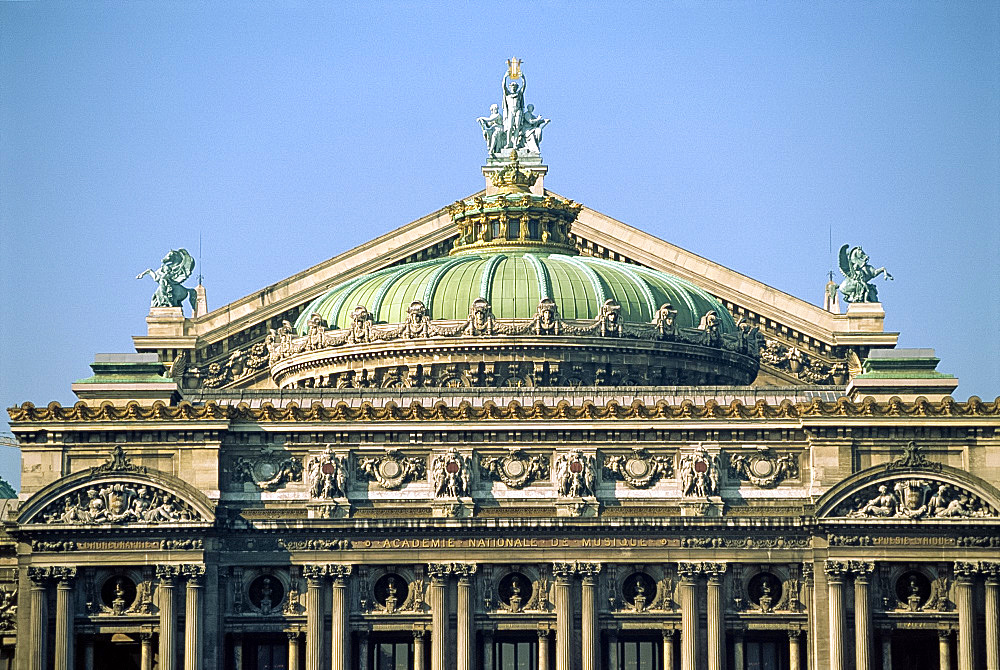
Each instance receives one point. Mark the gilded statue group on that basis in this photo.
(516, 127)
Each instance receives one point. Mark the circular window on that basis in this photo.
(913, 589)
(390, 591)
(639, 586)
(764, 590)
(266, 593)
(515, 591)
(118, 593)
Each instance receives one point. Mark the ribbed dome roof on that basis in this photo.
(513, 283)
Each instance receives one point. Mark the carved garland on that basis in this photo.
(641, 469)
(517, 469)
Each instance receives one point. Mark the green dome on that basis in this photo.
(513, 283)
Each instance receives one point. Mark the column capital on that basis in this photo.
(146, 637)
(64, 575)
(807, 573)
(464, 571)
(689, 571)
(339, 572)
(836, 571)
(669, 634)
(314, 573)
(40, 575)
(293, 635)
(194, 573)
(965, 572)
(438, 572)
(543, 635)
(168, 574)
(944, 634)
(715, 571)
(991, 569)
(862, 570)
(588, 571)
(419, 634)
(795, 634)
(563, 571)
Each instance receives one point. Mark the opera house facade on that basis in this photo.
(515, 434)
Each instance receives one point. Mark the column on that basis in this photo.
(887, 649)
(88, 655)
(167, 576)
(862, 571)
(563, 573)
(363, 650)
(293, 650)
(315, 579)
(418, 649)
(146, 651)
(836, 572)
(689, 573)
(992, 571)
(965, 575)
(944, 648)
(716, 616)
(465, 619)
(794, 649)
(64, 617)
(192, 616)
(237, 639)
(340, 643)
(543, 649)
(668, 649)
(739, 660)
(590, 632)
(39, 617)
(808, 597)
(438, 573)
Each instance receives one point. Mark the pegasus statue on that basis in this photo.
(174, 269)
(858, 273)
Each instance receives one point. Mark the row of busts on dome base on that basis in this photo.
(284, 344)
(573, 473)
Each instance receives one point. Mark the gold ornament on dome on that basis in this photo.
(512, 179)
(514, 68)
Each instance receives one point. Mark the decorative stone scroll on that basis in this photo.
(267, 472)
(641, 469)
(517, 469)
(764, 468)
(450, 474)
(327, 475)
(119, 503)
(913, 498)
(575, 474)
(393, 470)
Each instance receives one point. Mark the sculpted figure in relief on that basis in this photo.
(481, 319)
(665, 321)
(575, 475)
(417, 324)
(699, 472)
(611, 319)
(858, 274)
(361, 325)
(547, 318)
(327, 475)
(450, 471)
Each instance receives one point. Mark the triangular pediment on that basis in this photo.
(226, 336)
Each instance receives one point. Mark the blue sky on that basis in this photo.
(285, 133)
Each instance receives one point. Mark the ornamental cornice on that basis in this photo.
(842, 408)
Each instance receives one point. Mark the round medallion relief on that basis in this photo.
(637, 468)
(638, 584)
(264, 470)
(514, 469)
(762, 467)
(515, 590)
(913, 589)
(390, 591)
(266, 593)
(118, 593)
(764, 590)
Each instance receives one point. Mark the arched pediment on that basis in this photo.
(911, 488)
(118, 493)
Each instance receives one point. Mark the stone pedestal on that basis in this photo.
(453, 508)
(711, 506)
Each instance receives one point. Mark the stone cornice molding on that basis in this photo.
(841, 409)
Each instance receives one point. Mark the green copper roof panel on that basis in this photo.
(572, 289)
(405, 289)
(458, 287)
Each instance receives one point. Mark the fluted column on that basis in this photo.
(146, 651)
(716, 616)
(192, 616)
(418, 649)
(438, 573)
(689, 573)
(836, 573)
(563, 573)
(340, 643)
(808, 598)
(965, 576)
(465, 618)
(64, 617)
(794, 649)
(293, 649)
(668, 649)
(35, 649)
(992, 572)
(862, 571)
(315, 580)
(543, 649)
(944, 648)
(590, 632)
(167, 576)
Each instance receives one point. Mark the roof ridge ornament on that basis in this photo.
(119, 462)
(512, 179)
(912, 457)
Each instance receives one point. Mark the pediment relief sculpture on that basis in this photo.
(914, 498)
(641, 469)
(119, 502)
(517, 469)
(764, 468)
(392, 470)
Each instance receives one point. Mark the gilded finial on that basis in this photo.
(513, 68)
(512, 179)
